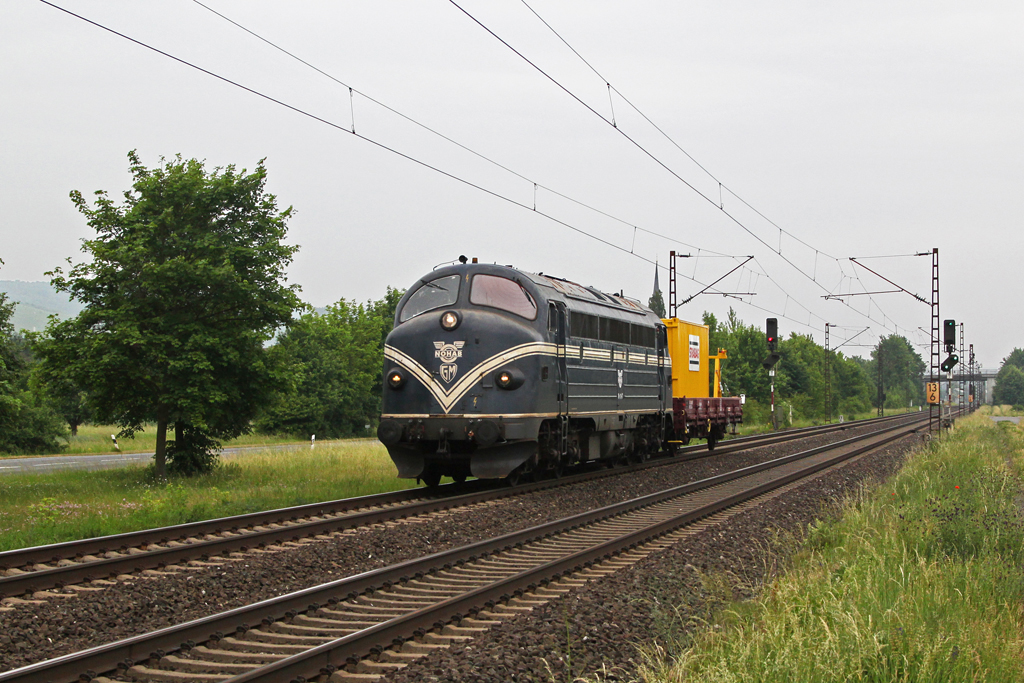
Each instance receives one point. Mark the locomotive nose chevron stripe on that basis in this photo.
(447, 398)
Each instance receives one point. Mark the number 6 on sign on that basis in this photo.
(932, 390)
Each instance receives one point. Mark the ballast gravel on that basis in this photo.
(599, 627)
(596, 630)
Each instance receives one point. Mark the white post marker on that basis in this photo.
(114, 439)
(312, 442)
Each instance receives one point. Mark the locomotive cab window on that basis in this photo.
(500, 292)
(444, 291)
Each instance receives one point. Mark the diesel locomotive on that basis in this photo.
(494, 372)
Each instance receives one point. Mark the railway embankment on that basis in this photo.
(917, 579)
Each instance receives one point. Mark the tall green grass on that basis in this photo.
(37, 509)
(921, 580)
(95, 439)
(998, 411)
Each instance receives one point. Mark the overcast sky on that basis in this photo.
(861, 129)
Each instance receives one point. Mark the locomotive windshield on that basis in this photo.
(500, 292)
(444, 291)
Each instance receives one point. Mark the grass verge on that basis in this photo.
(918, 580)
(38, 509)
(95, 439)
(751, 428)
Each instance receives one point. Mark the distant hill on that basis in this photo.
(36, 302)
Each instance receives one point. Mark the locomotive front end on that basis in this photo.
(468, 375)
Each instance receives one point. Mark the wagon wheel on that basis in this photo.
(431, 479)
(557, 469)
(513, 477)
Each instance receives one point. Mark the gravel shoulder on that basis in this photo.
(61, 625)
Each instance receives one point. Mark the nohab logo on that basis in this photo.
(448, 353)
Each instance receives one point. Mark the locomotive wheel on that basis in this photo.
(513, 477)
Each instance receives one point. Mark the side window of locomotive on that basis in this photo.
(444, 291)
(615, 331)
(583, 325)
(500, 292)
(641, 335)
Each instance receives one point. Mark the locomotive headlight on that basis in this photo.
(509, 379)
(396, 378)
(450, 320)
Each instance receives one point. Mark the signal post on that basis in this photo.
(771, 328)
(949, 341)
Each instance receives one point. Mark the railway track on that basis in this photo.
(25, 571)
(367, 625)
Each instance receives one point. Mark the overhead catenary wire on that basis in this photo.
(536, 185)
(364, 138)
(720, 204)
(424, 164)
(721, 185)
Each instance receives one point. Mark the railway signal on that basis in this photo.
(771, 328)
(949, 336)
(950, 362)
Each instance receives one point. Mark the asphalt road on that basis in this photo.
(55, 463)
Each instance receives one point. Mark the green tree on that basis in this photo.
(801, 374)
(184, 285)
(657, 303)
(51, 384)
(65, 397)
(1016, 358)
(335, 362)
(1009, 389)
(902, 372)
(27, 424)
(743, 373)
(851, 387)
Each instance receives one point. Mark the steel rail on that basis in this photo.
(126, 652)
(331, 656)
(327, 517)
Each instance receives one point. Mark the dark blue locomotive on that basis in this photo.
(493, 372)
